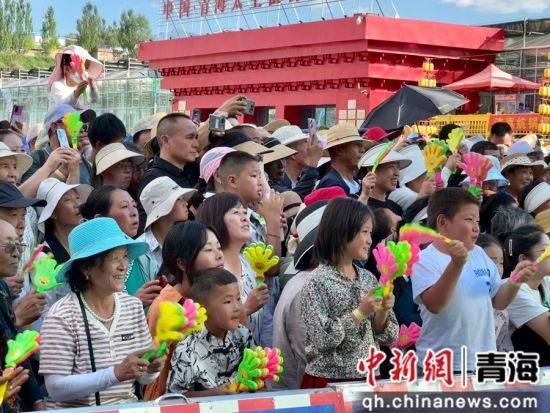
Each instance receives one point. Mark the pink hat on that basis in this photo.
(324, 194)
(376, 134)
(95, 67)
(210, 162)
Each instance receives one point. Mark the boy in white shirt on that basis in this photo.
(456, 284)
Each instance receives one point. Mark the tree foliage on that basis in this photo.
(49, 31)
(134, 28)
(88, 29)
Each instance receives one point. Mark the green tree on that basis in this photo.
(89, 29)
(27, 42)
(19, 29)
(134, 29)
(49, 31)
(110, 35)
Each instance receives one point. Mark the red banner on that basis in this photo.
(520, 123)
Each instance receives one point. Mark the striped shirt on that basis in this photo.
(64, 347)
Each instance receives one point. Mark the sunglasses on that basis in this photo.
(10, 248)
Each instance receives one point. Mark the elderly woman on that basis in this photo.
(94, 337)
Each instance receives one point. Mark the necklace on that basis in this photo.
(103, 320)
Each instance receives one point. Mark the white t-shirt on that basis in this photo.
(468, 319)
(527, 304)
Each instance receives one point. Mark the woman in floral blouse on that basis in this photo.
(342, 316)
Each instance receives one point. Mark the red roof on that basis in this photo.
(492, 78)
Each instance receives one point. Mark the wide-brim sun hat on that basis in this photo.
(22, 161)
(341, 134)
(11, 197)
(536, 197)
(276, 124)
(210, 161)
(307, 225)
(376, 134)
(291, 203)
(240, 142)
(52, 190)
(113, 153)
(417, 166)
(143, 124)
(280, 151)
(96, 236)
(289, 134)
(369, 157)
(511, 161)
(159, 196)
(520, 147)
(542, 219)
(95, 67)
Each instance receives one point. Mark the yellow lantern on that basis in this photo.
(433, 82)
(547, 73)
(415, 128)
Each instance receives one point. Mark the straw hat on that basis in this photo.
(519, 159)
(159, 196)
(291, 203)
(52, 190)
(531, 139)
(536, 197)
(113, 153)
(276, 124)
(279, 151)
(543, 220)
(417, 166)
(369, 157)
(22, 160)
(289, 134)
(340, 134)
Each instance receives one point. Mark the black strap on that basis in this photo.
(89, 339)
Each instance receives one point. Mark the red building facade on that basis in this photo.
(348, 65)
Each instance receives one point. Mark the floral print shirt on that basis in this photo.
(334, 342)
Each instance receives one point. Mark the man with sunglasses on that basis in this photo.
(29, 397)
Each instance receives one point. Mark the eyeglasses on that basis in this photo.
(11, 247)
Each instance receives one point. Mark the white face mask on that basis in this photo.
(75, 78)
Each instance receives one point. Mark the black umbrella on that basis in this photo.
(411, 104)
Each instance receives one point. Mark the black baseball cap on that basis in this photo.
(11, 197)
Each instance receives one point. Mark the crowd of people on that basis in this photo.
(163, 214)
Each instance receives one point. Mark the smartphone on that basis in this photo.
(16, 114)
(62, 138)
(312, 129)
(216, 123)
(197, 116)
(249, 107)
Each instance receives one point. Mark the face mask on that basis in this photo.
(62, 138)
(75, 78)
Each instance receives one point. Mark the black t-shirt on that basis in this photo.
(388, 203)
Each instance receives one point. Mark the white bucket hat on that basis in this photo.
(159, 196)
(417, 166)
(22, 160)
(113, 153)
(536, 197)
(289, 134)
(52, 190)
(369, 157)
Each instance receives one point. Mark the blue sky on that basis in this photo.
(473, 12)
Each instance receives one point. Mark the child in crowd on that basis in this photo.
(205, 362)
(342, 316)
(494, 251)
(530, 310)
(455, 283)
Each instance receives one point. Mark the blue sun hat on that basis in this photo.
(96, 236)
(494, 173)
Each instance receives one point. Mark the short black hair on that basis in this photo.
(168, 124)
(341, 222)
(106, 128)
(486, 240)
(98, 202)
(381, 228)
(448, 202)
(481, 147)
(205, 281)
(183, 242)
(5, 124)
(213, 209)
(75, 275)
(490, 206)
(446, 129)
(235, 163)
(500, 129)
(137, 135)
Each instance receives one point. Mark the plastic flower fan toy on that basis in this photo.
(19, 350)
(386, 265)
(407, 336)
(386, 150)
(77, 64)
(476, 166)
(544, 256)
(174, 323)
(419, 235)
(74, 125)
(434, 158)
(45, 277)
(256, 367)
(455, 139)
(36, 254)
(260, 259)
(402, 253)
